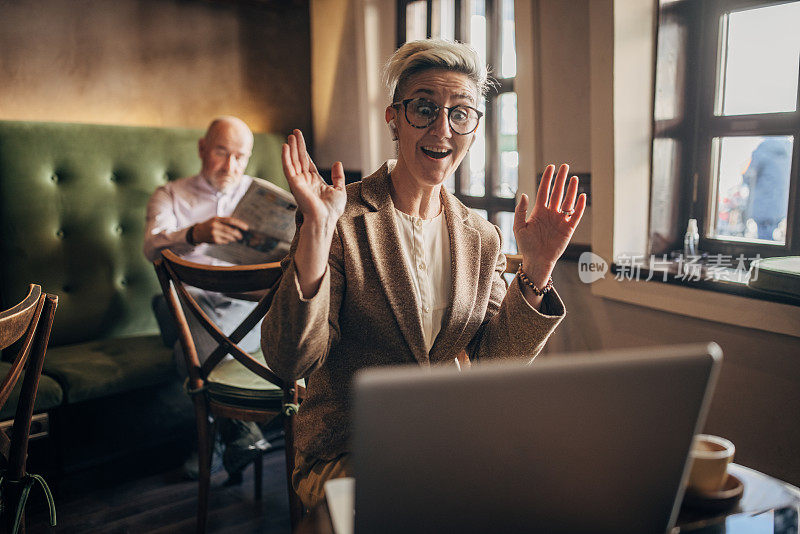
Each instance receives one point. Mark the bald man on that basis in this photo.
(185, 216)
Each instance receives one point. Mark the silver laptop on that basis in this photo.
(585, 443)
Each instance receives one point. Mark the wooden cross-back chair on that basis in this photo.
(243, 388)
(28, 326)
(512, 262)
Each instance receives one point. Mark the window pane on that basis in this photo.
(476, 184)
(477, 27)
(505, 220)
(508, 50)
(509, 157)
(664, 197)
(450, 183)
(670, 61)
(443, 20)
(752, 192)
(416, 20)
(762, 48)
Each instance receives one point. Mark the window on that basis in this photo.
(726, 141)
(487, 179)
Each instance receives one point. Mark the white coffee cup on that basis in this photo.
(710, 456)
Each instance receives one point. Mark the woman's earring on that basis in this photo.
(393, 129)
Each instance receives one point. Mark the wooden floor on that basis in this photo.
(164, 503)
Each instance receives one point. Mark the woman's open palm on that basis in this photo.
(544, 235)
(316, 200)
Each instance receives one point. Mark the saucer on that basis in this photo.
(723, 499)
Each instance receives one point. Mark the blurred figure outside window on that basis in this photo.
(767, 178)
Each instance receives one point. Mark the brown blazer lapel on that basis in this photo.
(465, 258)
(394, 278)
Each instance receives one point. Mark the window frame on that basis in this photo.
(489, 202)
(696, 126)
(622, 52)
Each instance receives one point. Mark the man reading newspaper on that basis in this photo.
(192, 217)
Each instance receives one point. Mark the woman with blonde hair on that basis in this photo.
(395, 270)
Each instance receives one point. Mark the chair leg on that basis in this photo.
(11, 496)
(204, 452)
(258, 474)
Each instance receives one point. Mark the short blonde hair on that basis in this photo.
(418, 56)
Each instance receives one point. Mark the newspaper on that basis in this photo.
(269, 213)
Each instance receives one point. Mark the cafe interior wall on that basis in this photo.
(350, 43)
(156, 62)
(758, 392)
(334, 93)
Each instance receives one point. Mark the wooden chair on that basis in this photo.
(512, 262)
(28, 325)
(243, 388)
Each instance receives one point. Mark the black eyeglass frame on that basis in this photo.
(436, 114)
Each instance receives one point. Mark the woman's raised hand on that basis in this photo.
(543, 236)
(319, 202)
(321, 205)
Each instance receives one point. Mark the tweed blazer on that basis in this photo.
(365, 311)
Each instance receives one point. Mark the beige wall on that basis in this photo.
(554, 91)
(350, 42)
(563, 42)
(334, 77)
(155, 62)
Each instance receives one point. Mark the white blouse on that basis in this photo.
(177, 205)
(426, 253)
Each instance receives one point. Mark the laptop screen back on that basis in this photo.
(591, 443)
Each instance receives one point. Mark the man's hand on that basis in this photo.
(219, 230)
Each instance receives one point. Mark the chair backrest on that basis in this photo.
(175, 274)
(28, 324)
(513, 262)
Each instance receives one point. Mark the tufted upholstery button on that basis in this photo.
(123, 282)
(113, 178)
(54, 178)
(118, 229)
(60, 233)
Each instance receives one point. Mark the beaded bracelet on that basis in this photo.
(527, 281)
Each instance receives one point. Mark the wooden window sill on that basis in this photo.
(724, 280)
(717, 301)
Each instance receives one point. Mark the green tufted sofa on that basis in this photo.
(72, 210)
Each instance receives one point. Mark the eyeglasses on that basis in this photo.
(421, 113)
(221, 153)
